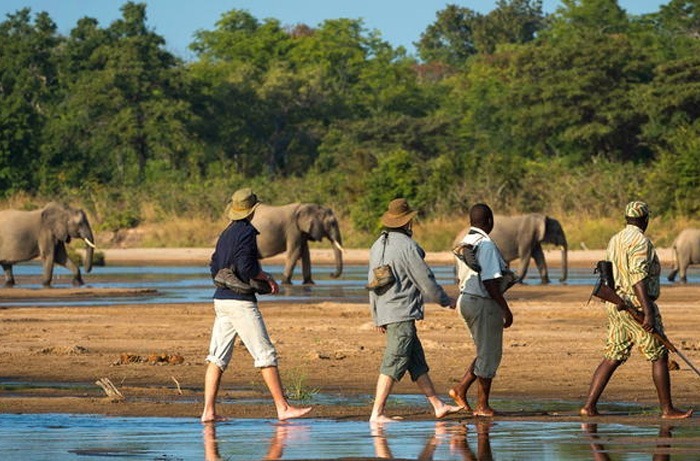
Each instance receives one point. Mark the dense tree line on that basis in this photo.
(573, 112)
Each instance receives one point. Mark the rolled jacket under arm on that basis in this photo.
(414, 281)
(236, 248)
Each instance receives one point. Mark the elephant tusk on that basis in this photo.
(338, 246)
(89, 243)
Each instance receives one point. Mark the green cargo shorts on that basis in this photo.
(403, 352)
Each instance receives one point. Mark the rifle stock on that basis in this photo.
(606, 293)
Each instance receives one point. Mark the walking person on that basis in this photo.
(636, 271)
(237, 313)
(483, 308)
(396, 308)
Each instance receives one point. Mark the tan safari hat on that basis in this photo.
(243, 203)
(398, 214)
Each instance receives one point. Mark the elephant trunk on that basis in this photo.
(564, 263)
(338, 252)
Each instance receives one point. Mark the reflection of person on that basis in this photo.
(598, 449)
(211, 446)
(238, 315)
(460, 445)
(483, 309)
(397, 308)
(458, 442)
(283, 431)
(636, 271)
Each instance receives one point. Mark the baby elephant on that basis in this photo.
(686, 251)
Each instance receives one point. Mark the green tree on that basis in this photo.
(674, 182)
(511, 22)
(126, 105)
(450, 39)
(27, 82)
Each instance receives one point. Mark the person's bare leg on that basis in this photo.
(441, 408)
(212, 380)
(384, 385)
(600, 379)
(285, 411)
(459, 392)
(482, 398)
(662, 381)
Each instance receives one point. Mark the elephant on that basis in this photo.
(686, 251)
(289, 228)
(522, 237)
(24, 235)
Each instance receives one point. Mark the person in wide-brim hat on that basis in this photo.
(243, 204)
(399, 214)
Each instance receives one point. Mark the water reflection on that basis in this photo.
(192, 284)
(454, 436)
(661, 452)
(63, 437)
(284, 431)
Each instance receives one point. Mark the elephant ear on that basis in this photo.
(54, 218)
(309, 221)
(540, 226)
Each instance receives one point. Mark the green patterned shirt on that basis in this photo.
(634, 259)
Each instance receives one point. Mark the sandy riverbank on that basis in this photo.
(550, 352)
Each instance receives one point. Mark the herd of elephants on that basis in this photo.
(25, 235)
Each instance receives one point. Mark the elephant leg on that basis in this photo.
(293, 253)
(48, 271)
(9, 276)
(524, 263)
(63, 259)
(306, 263)
(672, 275)
(538, 256)
(683, 267)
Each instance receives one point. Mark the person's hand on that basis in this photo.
(380, 329)
(649, 323)
(273, 286)
(507, 318)
(453, 303)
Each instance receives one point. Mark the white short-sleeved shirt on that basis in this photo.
(489, 258)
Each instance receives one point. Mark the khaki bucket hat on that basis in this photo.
(243, 203)
(398, 214)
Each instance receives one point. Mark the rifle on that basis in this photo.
(605, 290)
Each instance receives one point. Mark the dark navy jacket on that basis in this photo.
(238, 249)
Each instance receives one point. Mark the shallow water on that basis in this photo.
(87, 437)
(192, 284)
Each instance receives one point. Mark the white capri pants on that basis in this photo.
(240, 318)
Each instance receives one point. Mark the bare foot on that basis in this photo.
(445, 410)
(677, 414)
(460, 399)
(588, 411)
(379, 419)
(213, 418)
(487, 412)
(292, 412)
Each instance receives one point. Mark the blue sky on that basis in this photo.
(400, 21)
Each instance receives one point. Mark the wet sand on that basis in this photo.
(50, 357)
